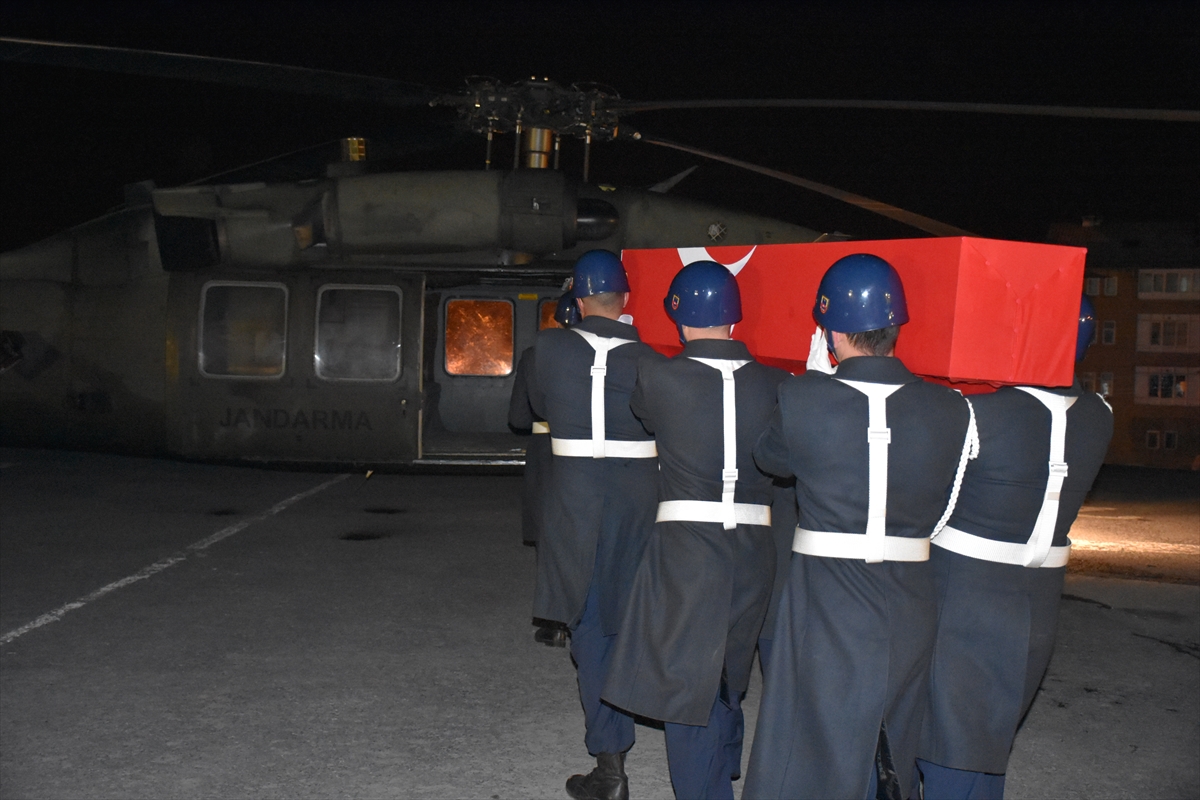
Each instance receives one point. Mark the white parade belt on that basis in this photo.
(860, 547)
(541, 427)
(712, 511)
(585, 448)
(984, 549)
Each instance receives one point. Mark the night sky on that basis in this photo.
(72, 139)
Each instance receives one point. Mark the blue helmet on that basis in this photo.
(566, 313)
(1087, 327)
(704, 294)
(860, 293)
(597, 272)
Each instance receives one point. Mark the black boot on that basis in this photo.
(606, 782)
(551, 635)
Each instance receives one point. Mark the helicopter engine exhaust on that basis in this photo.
(375, 215)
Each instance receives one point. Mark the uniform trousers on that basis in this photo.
(608, 729)
(944, 783)
(704, 759)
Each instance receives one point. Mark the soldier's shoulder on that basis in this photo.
(550, 335)
(765, 375)
(805, 384)
(937, 391)
(650, 361)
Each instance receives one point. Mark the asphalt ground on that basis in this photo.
(186, 630)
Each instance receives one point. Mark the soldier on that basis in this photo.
(875, 451)
(600, 500)
(521, 419)
(687, 639)
(999, 567)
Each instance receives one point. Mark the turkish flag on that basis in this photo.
(981, 311)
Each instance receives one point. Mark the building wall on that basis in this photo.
(1144, 280)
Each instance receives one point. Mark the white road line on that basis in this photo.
(1162, 548)
(169, 561)
(1112, 516)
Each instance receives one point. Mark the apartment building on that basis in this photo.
(1144, 280)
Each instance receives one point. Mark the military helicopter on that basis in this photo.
(356, 316)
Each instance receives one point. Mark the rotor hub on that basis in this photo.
(583, 111)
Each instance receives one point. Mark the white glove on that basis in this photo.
(818, 353)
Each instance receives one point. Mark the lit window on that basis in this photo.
(479, 337)
(243, 330)
(1109, 336)
(1166, 386)
(1170, 440)
(358, 333)
(1110, 286)
(1106, 384)
(1088, 381)
(1151, 440)
(1169, 333)
(1091, 286)
(1168, 284)
(546, 315)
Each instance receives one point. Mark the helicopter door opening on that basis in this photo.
(470, 371)
(310, 368)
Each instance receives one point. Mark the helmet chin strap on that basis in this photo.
(679, 327)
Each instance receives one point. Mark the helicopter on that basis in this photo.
(356, 315)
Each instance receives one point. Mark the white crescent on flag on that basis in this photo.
(690, 255)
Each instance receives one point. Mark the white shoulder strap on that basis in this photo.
(879, 436)
(729, 473)
(1042, 537)
(601, 344)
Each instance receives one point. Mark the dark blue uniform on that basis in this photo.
(702, 590)
(853, 638)
(997, 620)
(783, 529)
(599, 511)
(537, 450)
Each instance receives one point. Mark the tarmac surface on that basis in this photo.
(170, 629)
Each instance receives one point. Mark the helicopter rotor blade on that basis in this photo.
(1148, 114)
(227, 71)
(931, 226)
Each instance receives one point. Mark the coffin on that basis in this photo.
(982, 312)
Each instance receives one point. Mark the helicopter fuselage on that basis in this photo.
(361, 318)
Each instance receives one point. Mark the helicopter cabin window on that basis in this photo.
(546, 315)
(358, 333)
(479, 337)
(243, 330)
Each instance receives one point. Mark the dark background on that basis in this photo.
(71, 139)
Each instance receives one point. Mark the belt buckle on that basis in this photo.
(879, 435)
(599, 371)
(1058, 469)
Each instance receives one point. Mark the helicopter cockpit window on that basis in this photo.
(358, 333)
(243, 330)
(479, 337)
